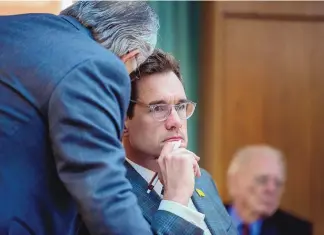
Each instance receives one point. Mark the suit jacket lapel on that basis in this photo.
(215, 213)
(268, 227)
(207, 206)
(149, 203)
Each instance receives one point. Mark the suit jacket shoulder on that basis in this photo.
(288, 223)
(48, 48)
(283, 223)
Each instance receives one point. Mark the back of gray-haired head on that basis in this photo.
(120, 26)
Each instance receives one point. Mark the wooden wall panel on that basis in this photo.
(21, 7)
(317, 128)
(285, 8)
(263, 82)
(267, 97)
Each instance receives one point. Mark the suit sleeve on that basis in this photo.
(86, 115)
(167, 223)
(185, 212)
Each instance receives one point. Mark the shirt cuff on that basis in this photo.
(184, 212)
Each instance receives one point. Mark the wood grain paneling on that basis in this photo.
(21, 7)
(317, 128)
(287, 8)
(263, 82)
(267, 96)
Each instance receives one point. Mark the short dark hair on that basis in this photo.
(158, 62)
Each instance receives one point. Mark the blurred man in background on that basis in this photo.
(64, 93)
(256, 179)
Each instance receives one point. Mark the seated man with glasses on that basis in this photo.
(172, 191)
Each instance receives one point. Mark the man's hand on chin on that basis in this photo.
(178, 168)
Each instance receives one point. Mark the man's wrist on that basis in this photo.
(185, 212)
(183, 200)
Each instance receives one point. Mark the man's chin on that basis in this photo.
(182, 145)
(266, 212)
(156, 154)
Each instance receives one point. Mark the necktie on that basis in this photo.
(245, 229)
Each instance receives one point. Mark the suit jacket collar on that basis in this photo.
(76, 24)
(207, 206)
(149, 203)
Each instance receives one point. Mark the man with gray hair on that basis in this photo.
(256, 178)
(64, 93)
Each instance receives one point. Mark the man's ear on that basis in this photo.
(130, 61)
(231, 185)
(129, 55)
(125, 131)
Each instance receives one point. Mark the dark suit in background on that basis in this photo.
(282, 223)
(63, 99)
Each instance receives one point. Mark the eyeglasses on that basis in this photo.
(161, 112)
(263, 180)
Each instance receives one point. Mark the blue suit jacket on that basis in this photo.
(63, 99)
(216, 217)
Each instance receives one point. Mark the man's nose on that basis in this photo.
(272, 186)
(173, 121)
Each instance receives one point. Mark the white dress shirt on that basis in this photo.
(189, 213)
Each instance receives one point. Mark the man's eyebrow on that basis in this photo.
(158, 102)
(182, 101)
(164, 102)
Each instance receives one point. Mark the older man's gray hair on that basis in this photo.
(244, 155)
(120, 26)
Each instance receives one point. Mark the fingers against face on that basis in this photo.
(183, 154)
